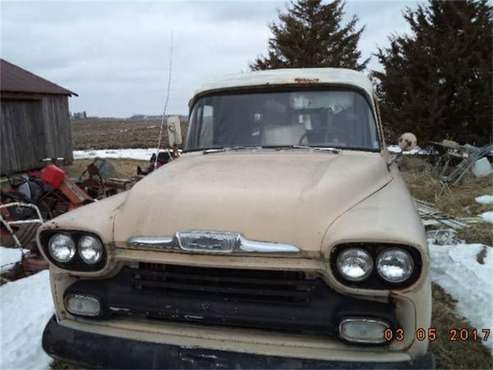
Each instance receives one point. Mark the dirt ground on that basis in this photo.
(94, 133)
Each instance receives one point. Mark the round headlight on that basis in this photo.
(354, 264)
(395, 265)
(61, 248)
(90, 249)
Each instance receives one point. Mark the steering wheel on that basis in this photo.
(334, 132)
(302, 138)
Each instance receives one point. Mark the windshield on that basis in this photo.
(322, 118)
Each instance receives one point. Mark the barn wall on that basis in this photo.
(57, 127)
(32, 129)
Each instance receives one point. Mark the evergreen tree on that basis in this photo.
(437, 80)
(311, 34)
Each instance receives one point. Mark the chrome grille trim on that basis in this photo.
(242, 244)
(254, 246)
(159, 242)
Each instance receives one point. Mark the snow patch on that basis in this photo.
(8, 257)
(487, 216)
(485, 199)
(456, 269)
(26, 308)
(140, 154)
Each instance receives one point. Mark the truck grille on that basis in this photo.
(224, 284)
(272, 300)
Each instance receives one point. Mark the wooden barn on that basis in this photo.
(34, 121)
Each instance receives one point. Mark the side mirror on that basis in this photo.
(174, 131)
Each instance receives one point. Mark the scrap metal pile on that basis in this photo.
(99, 181)
(33, 198)
(452, 164)
(455, 161)
(30, 199)
(441, 228)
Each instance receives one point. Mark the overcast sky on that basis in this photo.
(115, 55)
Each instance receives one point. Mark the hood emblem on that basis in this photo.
(215, 242)
(208, 241)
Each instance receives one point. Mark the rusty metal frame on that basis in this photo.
(8, 224)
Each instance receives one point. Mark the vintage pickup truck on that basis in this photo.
(283, 237)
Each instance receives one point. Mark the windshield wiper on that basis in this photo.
(326, 149)
(228, 148)
(213, 150)
(275, 147)
(303, 147)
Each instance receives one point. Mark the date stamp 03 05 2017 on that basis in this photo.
(431, 334)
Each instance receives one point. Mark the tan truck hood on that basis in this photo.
(277, 196)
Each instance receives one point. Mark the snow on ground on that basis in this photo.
(26, 307)
(487, 216)
(485, 199)
(8, 257)
(141, 154)
(456, 269)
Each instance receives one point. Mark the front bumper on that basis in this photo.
(96, 350)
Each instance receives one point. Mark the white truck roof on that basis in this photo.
(291, 76)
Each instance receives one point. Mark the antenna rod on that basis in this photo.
(166, 99)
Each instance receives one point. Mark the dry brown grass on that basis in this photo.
(456, 354)
(420, 182)
(456, 201)
(477, 233)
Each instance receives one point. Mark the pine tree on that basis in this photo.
(437, 80)
(311, 34)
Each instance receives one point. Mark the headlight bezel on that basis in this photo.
(395, 250)
(72, 248)
(76, 263)
(374, 280)
(81, 247)
(355, 250)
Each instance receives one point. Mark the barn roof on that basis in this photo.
(17, 80)
(340, 76)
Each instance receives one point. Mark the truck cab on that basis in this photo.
(283, 237)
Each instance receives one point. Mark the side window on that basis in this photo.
(364, 129)
(373, 130)
(193, 139)
(206, 132)
(379, 124)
